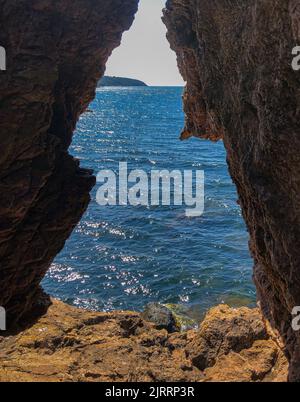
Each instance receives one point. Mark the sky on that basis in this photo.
(145, 53)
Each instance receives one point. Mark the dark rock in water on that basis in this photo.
(107, 81)
(161, 316)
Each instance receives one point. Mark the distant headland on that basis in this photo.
(107, 81)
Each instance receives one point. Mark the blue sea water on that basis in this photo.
(124, 257)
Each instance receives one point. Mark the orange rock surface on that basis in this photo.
(68, 344)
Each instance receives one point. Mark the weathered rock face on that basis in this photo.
(69, 344)
(236, 58)
(56, 53)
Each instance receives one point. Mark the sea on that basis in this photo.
(123, 257)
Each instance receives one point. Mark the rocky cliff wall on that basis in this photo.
(56, 54)
(236, 58)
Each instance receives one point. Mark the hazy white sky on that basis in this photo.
(145, 53)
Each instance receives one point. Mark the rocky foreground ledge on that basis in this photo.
(68, 344)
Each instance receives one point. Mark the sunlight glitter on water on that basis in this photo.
(124, 257)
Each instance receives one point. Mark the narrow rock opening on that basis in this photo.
(240, 87)
(125, 257)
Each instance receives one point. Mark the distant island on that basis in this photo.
(107, 81)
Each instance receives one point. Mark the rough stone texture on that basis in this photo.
(56, 53)
(69, 344)
(224, 331)
(161, 316)
(236, 58)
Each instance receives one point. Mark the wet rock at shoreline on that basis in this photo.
(161, 316)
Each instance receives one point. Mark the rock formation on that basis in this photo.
(236, 58)
(56, 54)
(69, 344)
